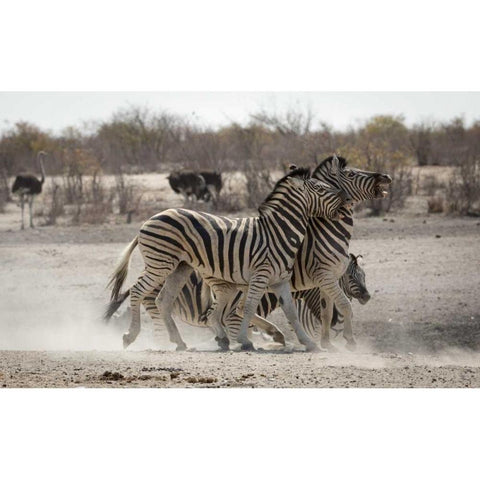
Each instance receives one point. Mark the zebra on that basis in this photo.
(352, 282)
(194, 303)
(193, 306)
(253, 254)
(323, 257)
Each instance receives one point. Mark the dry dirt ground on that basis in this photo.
(420, 329)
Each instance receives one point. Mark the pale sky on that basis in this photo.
(57, 110)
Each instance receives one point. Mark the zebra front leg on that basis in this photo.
(282, 290)
(326, 315)
(345, 309)
(166, 298)
(331, 289)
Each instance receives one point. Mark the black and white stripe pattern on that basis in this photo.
(194, 303)
(352, 283)
(323, 257)
(254, 254)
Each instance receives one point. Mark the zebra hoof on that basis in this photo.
(279, 338)
(223, 343)
(247, 347)
(351, 346)
(181, 347)
(126, 340)
(329, 347)
(312, 347)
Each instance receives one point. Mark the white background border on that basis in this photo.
(226, 46)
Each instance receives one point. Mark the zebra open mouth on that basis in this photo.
(381, 189)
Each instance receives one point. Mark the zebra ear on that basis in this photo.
(292, 166)
(353, 258)
(335, 165)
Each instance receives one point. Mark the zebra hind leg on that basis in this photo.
(144, 285)
(158, 326)
(226, 297)
(269, 328)
(256, 289)
(166, 299)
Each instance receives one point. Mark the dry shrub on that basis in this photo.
(259, 184)
(2, 201)
(127, 197)
(399, 190)
(4, 189)
(431, 185)
(435, 205)
(229, 202)
(55, 198)
(463, 190)
(96, 203)
(125, 193)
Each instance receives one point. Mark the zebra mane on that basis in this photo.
(303, 173)
(324, 163)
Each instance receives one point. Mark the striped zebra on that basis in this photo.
(352, 282)
(194, 302)
(323, 257)
(253, 254)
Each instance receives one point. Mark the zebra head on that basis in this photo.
(354, 281)
(358, 184)
(323, 199)
(309, 196)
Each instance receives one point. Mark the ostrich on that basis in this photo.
(27, 186)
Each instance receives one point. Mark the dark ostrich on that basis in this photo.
(27, 186)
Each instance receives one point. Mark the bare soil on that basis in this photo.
(420, 329)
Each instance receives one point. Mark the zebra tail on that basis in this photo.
(120, 274)
(114, 305)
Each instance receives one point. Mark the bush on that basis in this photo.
(96, 203)
(127, 198)
(55, 198)
(435, 205)
(463, 190)
(259, 184)
(431, 185)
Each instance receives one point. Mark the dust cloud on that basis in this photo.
(32, 319)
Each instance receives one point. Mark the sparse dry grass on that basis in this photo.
(436, 205)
